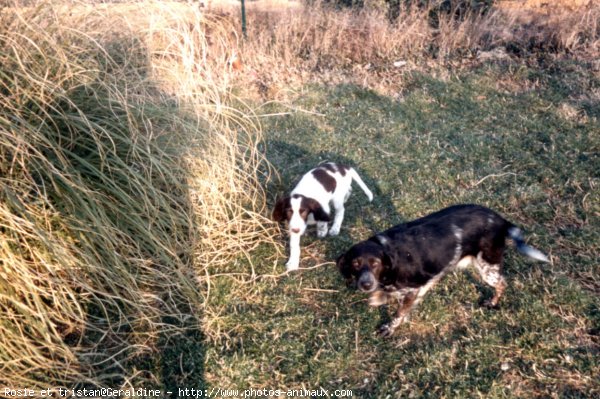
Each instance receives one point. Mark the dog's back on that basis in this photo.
(476, 227)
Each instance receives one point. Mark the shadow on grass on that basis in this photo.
(144, 334)
(182, 360)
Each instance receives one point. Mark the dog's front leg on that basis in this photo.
(294, 261)
(337, 220)
(405, 304)
(322, 229)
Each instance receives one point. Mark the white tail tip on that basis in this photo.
(516, 234)
(534, 253)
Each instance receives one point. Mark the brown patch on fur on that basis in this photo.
(335, 167)
(343, 169)
(314, 207)
(279, 214)
(326, 180)
(406, 304)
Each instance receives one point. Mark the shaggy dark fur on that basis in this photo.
(404, 262)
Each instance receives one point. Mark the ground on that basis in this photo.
(520, 142)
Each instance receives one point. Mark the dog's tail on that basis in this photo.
(361, 183)
(517, 236)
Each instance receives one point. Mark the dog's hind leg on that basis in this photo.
(338, 201)
(338, 219)
(490, 273)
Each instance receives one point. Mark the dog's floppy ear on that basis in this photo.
(344, 269)
(340, 262)
(317, 210)
(390, 271)
(386, 260)
(383, 243)
(279, 210)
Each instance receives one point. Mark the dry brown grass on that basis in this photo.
(288, 44)
(128, 167)
(536, 4)
(224, 181)
(125, 172)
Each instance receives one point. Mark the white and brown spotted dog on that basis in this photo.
(406, 261)
(309, 203)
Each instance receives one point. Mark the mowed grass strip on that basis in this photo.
(525, 144)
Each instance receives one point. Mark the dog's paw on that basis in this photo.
(292, 265)
(322, 233)
(385, 331)
(334, 231)
(490, 304)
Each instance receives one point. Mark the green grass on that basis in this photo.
(522, 141)
(135, 247)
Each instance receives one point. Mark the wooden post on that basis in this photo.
(244, 19)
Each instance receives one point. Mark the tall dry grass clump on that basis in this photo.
(554, 29)
(320, 38)
(113, 183)
(192, 60)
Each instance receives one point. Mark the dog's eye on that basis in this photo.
(355, 264)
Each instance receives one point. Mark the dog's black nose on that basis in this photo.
(366, 285)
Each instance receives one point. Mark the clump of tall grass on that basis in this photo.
(553, 29)
(319, 38)
(117, 190)
(192, 61)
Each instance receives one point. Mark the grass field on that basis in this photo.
(138, 167)
(521, 141)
